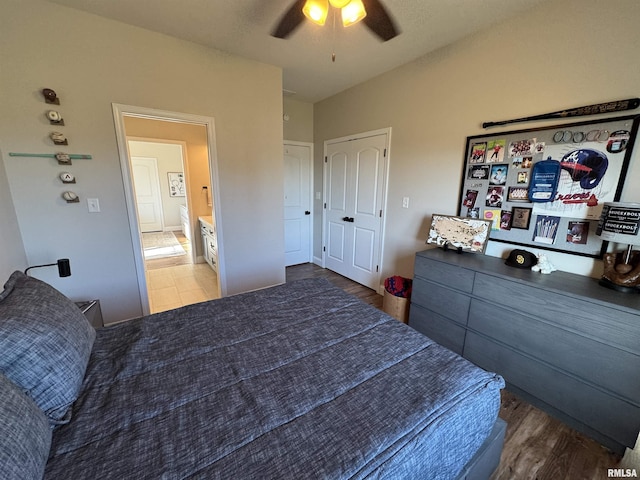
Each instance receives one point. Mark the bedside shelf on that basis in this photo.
(93, 312)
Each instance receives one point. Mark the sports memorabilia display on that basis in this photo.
(546, 187)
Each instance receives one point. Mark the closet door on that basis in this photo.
(355, 182)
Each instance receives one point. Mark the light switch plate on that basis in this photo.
(93, 204)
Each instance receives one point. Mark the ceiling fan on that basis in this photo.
(371, 12)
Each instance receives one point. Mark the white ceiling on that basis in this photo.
(243, 27)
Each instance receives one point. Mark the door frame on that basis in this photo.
(119, 112)
(383, 193)
(311, 208)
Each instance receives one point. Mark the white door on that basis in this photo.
(146, 185)
(297, 203)
(355, 172)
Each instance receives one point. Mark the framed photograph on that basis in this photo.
(496, 147)
(478, 153)
(518, 194)
(478, 172)
(470, 198)
(563, 174)
(523, 177)
(466, 234)
(578, 232)
(498, 175)
(176, 184)
(495, 196)
(520, 217)
(546, 229)
(505, 220)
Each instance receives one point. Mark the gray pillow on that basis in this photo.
(25, 436)
(45, 342)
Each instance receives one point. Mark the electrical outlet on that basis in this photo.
(405, 202)
(93, 204)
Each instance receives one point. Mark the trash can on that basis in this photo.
(397, 293)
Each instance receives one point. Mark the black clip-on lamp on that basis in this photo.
(64, 269)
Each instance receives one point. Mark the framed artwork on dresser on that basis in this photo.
(546, 183)
(460, 233)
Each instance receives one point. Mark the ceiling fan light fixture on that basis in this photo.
(353, 12)
(316, 11)
(339, 3)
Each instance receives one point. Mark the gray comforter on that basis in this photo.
(296, 381)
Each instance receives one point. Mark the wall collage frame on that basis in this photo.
(545, 187)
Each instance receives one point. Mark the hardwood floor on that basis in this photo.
(308, 270)
(537, 446)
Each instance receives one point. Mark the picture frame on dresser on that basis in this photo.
(592, 158)
(459, 233)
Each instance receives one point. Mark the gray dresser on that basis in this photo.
(561, 341)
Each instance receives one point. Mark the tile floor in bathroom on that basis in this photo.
(174, 282)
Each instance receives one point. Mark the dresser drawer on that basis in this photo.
(444, 301)
(562, 340)
(606, 324)
(455, 277)
(437, 328)
(609, 415)
(599, 364)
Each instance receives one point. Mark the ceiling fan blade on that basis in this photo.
(379, 21)
(290, 20)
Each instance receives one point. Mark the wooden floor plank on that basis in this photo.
(537, 446)
(309, 270)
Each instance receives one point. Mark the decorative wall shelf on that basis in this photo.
(63, 158)
(51, 155)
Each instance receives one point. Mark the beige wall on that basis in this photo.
(13, 255)
(564, 53)
(92, 63)
(297, 120)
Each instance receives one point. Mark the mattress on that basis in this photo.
(300, 380)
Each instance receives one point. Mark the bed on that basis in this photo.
(296, 381)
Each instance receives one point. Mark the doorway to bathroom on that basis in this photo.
(170, 180)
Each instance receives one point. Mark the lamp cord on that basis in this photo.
(38, 266)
